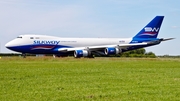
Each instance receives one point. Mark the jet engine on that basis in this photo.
(81, 53)
(112, 51)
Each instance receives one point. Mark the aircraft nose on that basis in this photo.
(8, 45)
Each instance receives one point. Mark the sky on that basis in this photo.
(91, 19)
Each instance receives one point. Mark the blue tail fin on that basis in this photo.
(151, 30)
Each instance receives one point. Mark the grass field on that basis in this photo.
(69, 79)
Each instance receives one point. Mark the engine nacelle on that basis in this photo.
(81, 53)
(112, 51)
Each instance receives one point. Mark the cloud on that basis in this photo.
(20, 20)
(174, 27)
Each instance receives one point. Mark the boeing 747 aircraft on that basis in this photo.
(86, 47)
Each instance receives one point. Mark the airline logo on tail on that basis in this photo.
(150, 31)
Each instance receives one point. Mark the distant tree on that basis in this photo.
(150, 54)
(138, 53)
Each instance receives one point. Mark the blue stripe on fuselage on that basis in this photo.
(30, 48)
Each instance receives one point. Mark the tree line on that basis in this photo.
(138, 53)
(134, 53)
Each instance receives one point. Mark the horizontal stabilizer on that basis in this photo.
(167, 39)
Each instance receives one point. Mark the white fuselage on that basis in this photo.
(71, 42)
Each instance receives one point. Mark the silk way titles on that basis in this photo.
(46, 42)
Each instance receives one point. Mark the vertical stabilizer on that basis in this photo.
(151, 30)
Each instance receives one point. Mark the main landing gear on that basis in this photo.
(24, 55)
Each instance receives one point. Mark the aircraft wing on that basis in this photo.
(122, 46)
(93, 48)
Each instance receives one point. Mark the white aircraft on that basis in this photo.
(86, 47)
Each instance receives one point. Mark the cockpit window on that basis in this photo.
(19, 37)
(31, 37)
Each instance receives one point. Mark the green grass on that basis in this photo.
(69, 79)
